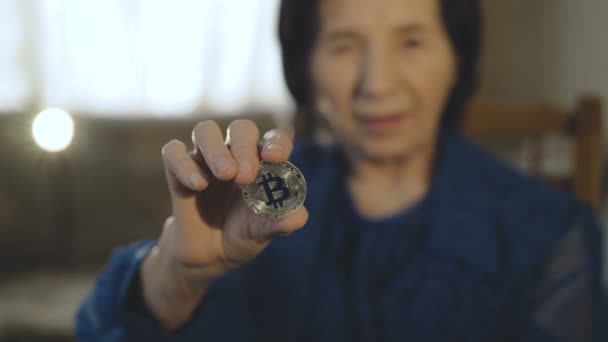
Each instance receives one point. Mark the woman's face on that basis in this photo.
(382, 71)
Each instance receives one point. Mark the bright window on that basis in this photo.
(141, 57)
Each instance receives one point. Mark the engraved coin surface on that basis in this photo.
(278, 190)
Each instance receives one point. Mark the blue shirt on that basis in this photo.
(488, 255)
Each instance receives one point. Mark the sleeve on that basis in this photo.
(105, 316)
(570, 301)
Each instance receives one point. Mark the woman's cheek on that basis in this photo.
(335, 92)
(434, 80)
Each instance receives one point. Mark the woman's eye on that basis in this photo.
(412, 43)
(342, 49)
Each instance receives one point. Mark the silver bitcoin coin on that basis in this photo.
(278, 190)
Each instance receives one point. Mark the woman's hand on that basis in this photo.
(212, 226)
(211, 230)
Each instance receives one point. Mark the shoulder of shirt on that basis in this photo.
(309, 155)
(530, 215)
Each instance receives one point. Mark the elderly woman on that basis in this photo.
(409, 232)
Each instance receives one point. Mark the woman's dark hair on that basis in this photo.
(298, 29)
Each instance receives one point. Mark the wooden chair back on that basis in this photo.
(582, 126)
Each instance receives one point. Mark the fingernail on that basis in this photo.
(221, 165)
(196, 180)
(274, 148)
(244, 167)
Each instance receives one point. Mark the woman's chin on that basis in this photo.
(386, 151)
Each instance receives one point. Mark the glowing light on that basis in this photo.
(53, 130)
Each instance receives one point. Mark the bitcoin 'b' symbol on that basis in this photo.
(279, 186)
(279, 190)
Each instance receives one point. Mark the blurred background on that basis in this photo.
(113, 80)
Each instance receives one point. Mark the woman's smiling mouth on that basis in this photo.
(384, 123)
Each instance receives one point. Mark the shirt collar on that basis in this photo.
(461, 224)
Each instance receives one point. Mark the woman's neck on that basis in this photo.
(382, 188)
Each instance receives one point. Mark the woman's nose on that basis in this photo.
(378, 75)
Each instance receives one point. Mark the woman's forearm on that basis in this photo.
(172, 292)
